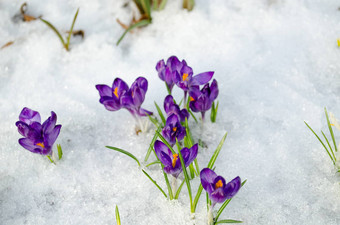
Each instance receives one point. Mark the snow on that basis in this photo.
(277, 64)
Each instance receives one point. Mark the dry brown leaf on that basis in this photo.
(7, 44)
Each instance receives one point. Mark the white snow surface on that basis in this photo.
(276, 63)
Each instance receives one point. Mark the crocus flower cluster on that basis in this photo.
(201, 100)
(216, 186)
(179, 73)
(39, 138)
(171, 108)
(172, 162)
(121, 96)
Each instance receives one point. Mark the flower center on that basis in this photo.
(40, 144)
(174, 129)
(116, 92)
(174, 160)
(185, 76)
(191, 99)
(219, 184)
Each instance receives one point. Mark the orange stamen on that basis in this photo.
(219, 184)
(191, 99)
(116, 92)
(174, 129)
(174, 160)
(41, 145)
(185, 76)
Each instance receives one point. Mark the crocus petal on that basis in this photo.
(183, 114)
(172, 120)
(121, 86)
(192, 155)
(104, 90)
(110, 104)
(168, 102)
(140, 82)
(163, 153)
(29, 145)
(218, 196)
(51, 137)
(173, 63)
(137, 95)
(144, 112)
(49, 124)
(232, 187)
(207, 177)
(160, 65)
(127, 101)
(29, 116)
(23, 128)
(202, 78)
(213, 90)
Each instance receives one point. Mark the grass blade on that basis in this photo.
(228, 221)
(151, 145)
(331, 130)
(55, 30)
(193, 116)
(217, 152)
(146, 7)
(124, 152)
(153, 163)
(320, 142)
(60, 151)
(71, 30)
(117, 216)
(160, 113)
(329, 145)
(133, 26)
(179, 190)
(225, 204)
(155, 183)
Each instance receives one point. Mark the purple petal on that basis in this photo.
(30, 145)
(173, 63)
(138, 96)
(104, 90)
(192, 155)
(140, 82)
(127, 101)
(218, 196)
(51, 137)
(168, 102)
(163, 153)
(23, 128)
(144, 112)
(49, 124)
(172, 120)
(232, 187)
(160, 65)
(207, 177)
(121, 86)
(213, 90)
(110, 104)
(202, 78)
(29, 116)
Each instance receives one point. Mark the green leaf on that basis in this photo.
(213, 113)
(193, 116)
(155, 183)
(217, 152)
(186, 177)
(117, 216)
(55, 30)
(179, 189)
(188, 4)
(153, 163)
(331, 131)
(133, 26)
(165, 142)
(160, 113)
(152, 144)
(225, 204)
(51, 160)
(162, 5)
(60, 152)
(320, 142)
(146, 7)
(153, 120)
(329, 145)
(228, 221)
(71, 30)
(124, 152)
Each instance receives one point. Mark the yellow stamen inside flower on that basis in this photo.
(174, 160)
(191, 99)
(338, 42)
(185, 76)
(174, 129)
(332, 124)
(219, 184)
(116, 92)
(41, 145)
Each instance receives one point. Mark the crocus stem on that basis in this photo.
(49, 157)
(210, 215)
(185, 99)
(174, 185)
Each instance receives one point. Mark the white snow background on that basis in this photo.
(276, 63)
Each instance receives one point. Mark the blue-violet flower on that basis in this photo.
(173, 129)
(171, 108)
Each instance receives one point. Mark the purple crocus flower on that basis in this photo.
(172, 162)
(171, 108)
(173, 129)
(39, 138)
(167, 71)
(121, 96)
(201, 100)
(216, 186)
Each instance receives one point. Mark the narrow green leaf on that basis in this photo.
(225, 204)
(228, 221)
(151, 145)
(186, 177)
(320, 142)
(160, 113)
(329, 145)
(213, 113)
(193, 116)
(197, 197)
(117, 216)
(179, 189)
(124, 152)
(153, 163)
(167, 88)
(162, 5)
(188, 4)
(55, 30)
(155, 183)
(217, 152)
(153, 120)
(60, 152)
(51, 160)
(71, 30)
(146, 7)
(139, 6)
(331, 130)
(138, 24)
(167, 183)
